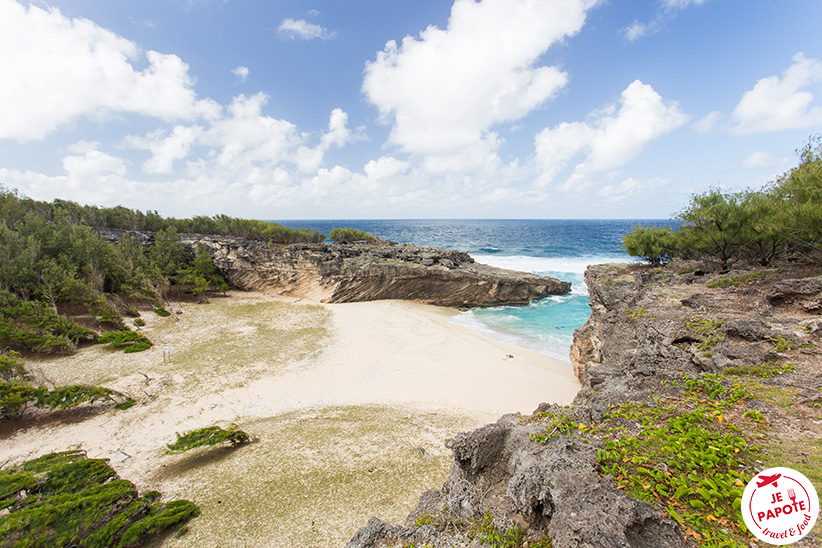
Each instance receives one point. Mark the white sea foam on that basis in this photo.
(538, 265)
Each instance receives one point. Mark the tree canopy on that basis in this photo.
(780, 221)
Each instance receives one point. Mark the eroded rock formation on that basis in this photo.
(337, 273)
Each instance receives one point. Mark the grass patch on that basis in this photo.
(766, 370)
(708, 331)
(781, 396)
(739, 279)
(129, 341)
(315, 477)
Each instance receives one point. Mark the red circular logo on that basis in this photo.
(780, 506)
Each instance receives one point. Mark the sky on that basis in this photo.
(381, 109)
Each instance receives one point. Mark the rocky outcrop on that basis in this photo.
(648, 328)
(696, 320)
(344, 273)
(553, 489)
(337, 273)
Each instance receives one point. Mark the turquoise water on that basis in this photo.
(558, 248)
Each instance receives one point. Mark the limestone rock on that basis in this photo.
(337, 273)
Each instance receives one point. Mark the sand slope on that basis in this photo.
(351, 404)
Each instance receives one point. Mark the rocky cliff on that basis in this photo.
(712, 363)
(337, 273)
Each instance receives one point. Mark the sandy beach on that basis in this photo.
(350, 405)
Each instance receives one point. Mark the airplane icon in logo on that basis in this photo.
(763, 481)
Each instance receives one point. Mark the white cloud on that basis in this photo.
(445, 90)
(93, 166)
(708, 122)
(385, 167)
(776, 104)
(302, 29)
(55, 70)
(764, 160)
(165, 149)
(668, 10)
(241, 73)
(630, 187)
(611, 138)
(681, 4)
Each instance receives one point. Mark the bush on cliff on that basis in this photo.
(350, 235)
(781, 221)
(654, 244)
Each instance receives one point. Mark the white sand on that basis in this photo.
(341, 397)
(407, 354)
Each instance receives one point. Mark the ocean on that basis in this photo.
(559, 248)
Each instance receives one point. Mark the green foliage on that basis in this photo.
(161, 311)
(780, 221)
(637, 313)
(739, 280)
(51, 255)
(709, 332)
(654, 244)
(350, 235)
(15, 397)
(12, 366)
(139, 322)
(202, 274)
(17, 394)
(781, 344)
(129, 340)
(66, 499)
(765, 370)
(35, 326)
(682, 455)
(210, 435)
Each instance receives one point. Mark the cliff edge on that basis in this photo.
(694, 379)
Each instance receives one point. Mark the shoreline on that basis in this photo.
(345, 399)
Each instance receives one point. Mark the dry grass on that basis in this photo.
(312, 479)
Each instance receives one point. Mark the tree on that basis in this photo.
(654, 244)
(717, 225)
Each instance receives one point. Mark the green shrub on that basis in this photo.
(129, 340)
(654, 244)
(71, 500)
(35, 326)
(350, 235)
(161, 311)
(210, 435)
(12, 366)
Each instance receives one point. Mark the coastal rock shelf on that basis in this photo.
(341, 273)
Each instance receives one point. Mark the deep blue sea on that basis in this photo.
(558, 248)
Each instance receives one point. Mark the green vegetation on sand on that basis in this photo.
(69, 500)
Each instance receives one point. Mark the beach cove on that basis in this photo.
(351, 405)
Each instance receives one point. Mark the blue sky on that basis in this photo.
(382, 109)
